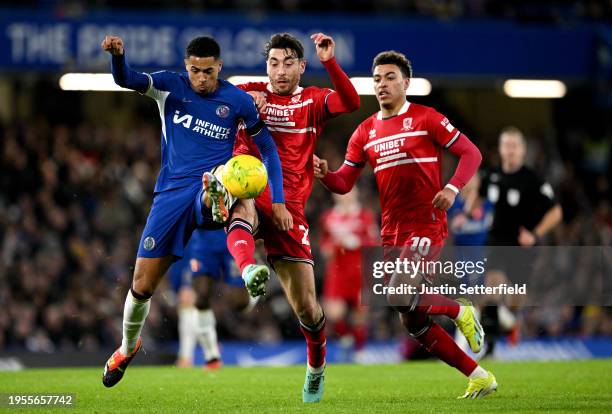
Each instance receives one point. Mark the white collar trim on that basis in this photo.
(402, 111)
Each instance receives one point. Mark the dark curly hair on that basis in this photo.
(391, 57)
(284, 41)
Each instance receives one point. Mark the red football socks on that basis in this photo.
(434, 304)
(240, 243)
(315, 343)
(440, 344)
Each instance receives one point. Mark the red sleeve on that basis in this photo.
(355, 155)
(469, 161)
(441, 130)
(342, 180)
(345, 97)
(253, 86)
(245, 145)
(321, 113)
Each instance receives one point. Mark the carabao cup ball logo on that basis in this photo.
(222, 111)
(244, 176)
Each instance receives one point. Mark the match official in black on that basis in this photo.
(525, 211)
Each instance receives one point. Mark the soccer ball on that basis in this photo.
(244, 176)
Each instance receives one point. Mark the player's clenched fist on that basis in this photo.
(320, 166)
(325, 46)
(113, 45)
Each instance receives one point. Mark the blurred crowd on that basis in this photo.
(74, 199)
(557, 11)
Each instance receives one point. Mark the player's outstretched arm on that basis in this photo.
(123, 75)
(265, 143)
(469, 161)
(340, 181)
(345, 97)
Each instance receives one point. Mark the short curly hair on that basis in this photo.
(284, 41)
(391, 57)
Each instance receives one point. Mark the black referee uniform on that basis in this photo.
(520, 199)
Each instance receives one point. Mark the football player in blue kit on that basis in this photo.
(200, 115)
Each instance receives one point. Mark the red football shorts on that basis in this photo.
(292, 245)
(422, 243)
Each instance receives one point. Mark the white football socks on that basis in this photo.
(207, 334)
(187, 327)
(479, 372)
(135, 313)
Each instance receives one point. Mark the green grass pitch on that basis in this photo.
(577, 386)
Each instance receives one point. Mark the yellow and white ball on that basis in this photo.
(244, 176)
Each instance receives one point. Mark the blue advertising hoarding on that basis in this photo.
(44, 41)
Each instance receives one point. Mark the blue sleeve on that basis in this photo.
(257, 130)
(127, 77)
(267, 148)
(248, 109)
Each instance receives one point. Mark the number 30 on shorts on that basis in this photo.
(421, 245)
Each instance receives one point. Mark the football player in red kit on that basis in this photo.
(403, 143)
(345, 228)
(295, 116)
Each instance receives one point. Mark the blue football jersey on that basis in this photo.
(198, 131)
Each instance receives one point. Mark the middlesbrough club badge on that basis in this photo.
(407, 125)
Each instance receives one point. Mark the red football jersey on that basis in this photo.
(294, 121)
(405, 152)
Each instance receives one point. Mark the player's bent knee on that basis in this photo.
(148, 272)
(309, 312)
(415, 323)
(245, 210)
(143, 284)
(402, 303)
(143, 288)
(398, 295)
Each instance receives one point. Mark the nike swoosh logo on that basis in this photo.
(291, 356)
